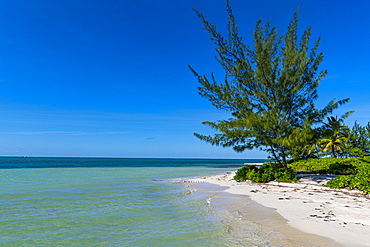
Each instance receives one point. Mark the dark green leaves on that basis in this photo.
(269, 88)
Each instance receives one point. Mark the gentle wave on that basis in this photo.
(136, 205)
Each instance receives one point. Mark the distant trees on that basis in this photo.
(269, 88)
(334, 136)
(358, 143)
(354, 142)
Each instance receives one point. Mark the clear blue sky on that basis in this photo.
(110, 78)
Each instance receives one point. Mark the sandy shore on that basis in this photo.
(338, 214)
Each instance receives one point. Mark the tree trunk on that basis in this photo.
(283, 156)
(333, 152)
(274, 154)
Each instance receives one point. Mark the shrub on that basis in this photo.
(265, 173)
(358, 170)
(241, 173)
(360, 181)
(356, 152)
(327, 166)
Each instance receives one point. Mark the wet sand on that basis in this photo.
(295, 214)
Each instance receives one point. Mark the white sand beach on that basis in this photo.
(309, 206)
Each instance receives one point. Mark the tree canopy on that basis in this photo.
(269, 88)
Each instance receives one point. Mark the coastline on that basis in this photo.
(337, 214)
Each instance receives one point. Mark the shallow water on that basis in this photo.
(249, 222)
(113, 202)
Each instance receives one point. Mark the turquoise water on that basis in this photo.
(109, 202)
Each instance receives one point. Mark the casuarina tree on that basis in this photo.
(269, 88)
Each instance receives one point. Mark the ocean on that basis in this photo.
(115, 202)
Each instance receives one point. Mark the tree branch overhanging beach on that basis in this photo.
(269, 88)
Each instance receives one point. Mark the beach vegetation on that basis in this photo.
(269, 88)
(334, 136)
(329, 165)
(353, 173)
(360, 181)
(358, 140)
(265, 173)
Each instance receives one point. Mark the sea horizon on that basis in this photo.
(105, 202)
(62, 162)
(125, 157)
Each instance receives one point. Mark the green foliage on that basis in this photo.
(242, 173)
(358, 144)
(334, 136)
(357, 170)
(355, 152)
(340, 181)
(266, 173)
(269, 88)
(338, 140)
(326, 166)
(360, 181)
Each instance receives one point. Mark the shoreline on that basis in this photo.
(337, 214)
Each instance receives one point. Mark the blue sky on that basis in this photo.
(110, 78)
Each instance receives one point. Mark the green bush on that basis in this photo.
(360, 181)
(355, 172)
(356, 152)
(265, 173)
(242, 173)
(327, 166)
(358, 170)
